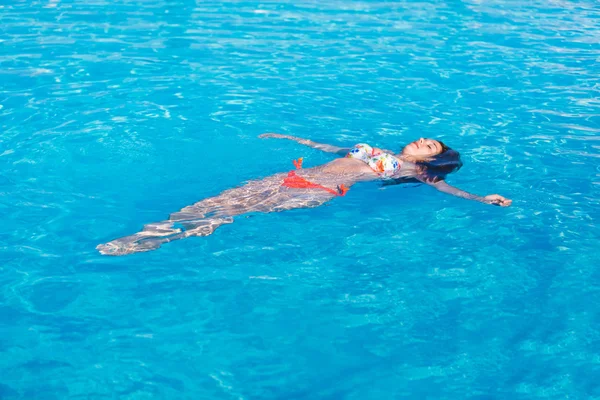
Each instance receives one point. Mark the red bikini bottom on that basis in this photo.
(298, 182)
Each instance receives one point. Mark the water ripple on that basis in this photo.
(114, 114)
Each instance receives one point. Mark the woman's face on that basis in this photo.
(423, 148)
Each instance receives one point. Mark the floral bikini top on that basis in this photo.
(384, 164)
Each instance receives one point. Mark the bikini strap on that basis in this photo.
(296, 181)
(342, 190)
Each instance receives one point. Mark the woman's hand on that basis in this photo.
(497, 200)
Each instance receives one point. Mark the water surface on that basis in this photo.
(114, 114)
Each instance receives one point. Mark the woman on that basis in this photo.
(424, 160)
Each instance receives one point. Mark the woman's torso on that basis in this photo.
(368, 163)
(352, 169)
(348, 167)
(349, 171)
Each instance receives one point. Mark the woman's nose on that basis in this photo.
(421, 141)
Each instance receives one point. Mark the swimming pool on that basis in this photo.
(114, 114)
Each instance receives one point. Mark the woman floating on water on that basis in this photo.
(424, 160)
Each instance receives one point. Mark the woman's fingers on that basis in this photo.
(498, 200)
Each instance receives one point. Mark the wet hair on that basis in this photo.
(444, 147)
(436, 169)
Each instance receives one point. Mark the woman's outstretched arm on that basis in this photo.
(494, 199)
(319, 146)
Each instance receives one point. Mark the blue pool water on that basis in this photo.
(115, 113)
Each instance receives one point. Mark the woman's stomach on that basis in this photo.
(342, 170)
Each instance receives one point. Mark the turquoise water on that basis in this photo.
(114, 114)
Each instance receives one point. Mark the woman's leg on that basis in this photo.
(154, 235)
(202, 218)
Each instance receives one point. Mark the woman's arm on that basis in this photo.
(494, 199)
(319, 146)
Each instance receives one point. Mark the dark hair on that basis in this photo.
(444, 147)
(433, 170)
(436, 169)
